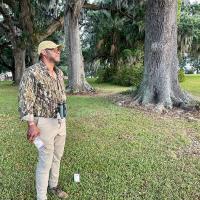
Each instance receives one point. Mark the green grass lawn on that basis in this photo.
(106, 87)
(120, 153)
(192, 84)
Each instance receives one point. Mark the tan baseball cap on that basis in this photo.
(48, 45)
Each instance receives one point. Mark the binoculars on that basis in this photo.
(62, 110)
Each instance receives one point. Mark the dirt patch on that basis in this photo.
(128, 101)
(96, 93)
(193, 149)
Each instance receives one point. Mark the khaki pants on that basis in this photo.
(53, 135)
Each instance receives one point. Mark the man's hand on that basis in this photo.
(33, 131)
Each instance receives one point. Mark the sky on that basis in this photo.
(195, 1)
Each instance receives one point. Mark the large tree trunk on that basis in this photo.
(160, 82)
(76, 75)
(19, 57)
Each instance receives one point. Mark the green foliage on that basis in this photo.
(108, 34)
(45, 12)
(189, 30)
(133, 56)
(126, 53)
(129, 75)
(190, 71)
(179, 10)
(125, 76)
(104, 75)
(129, 70)
(181, 75)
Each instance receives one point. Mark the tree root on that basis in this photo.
(80, 89)
(185, 102)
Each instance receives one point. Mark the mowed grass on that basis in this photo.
(120, 153)
(192, 84)
(106, 88)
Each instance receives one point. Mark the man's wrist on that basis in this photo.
(28, 118)
(31, 123)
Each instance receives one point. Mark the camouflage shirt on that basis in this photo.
(39, 93)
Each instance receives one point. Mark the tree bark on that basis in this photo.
(33, 55)
(76, 75)
(19, 57)
(160, 84)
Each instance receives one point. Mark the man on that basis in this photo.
(42, 104)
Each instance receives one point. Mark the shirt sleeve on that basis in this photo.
(27, 96)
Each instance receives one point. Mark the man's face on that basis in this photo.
(53, 55)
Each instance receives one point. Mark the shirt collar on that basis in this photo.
(45, 67)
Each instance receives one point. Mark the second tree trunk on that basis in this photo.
(76, 75)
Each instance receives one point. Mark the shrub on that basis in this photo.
(190, 71)
(104, 75)
(125, 76)
(129, 75)
(181, 75)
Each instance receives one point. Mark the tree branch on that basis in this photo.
(90, 6)
(26, 16)
(54, 26)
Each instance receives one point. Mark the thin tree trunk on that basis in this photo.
(13, 75)
(34, 56)
(19, 57)
(160, 82)
(76, 75)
